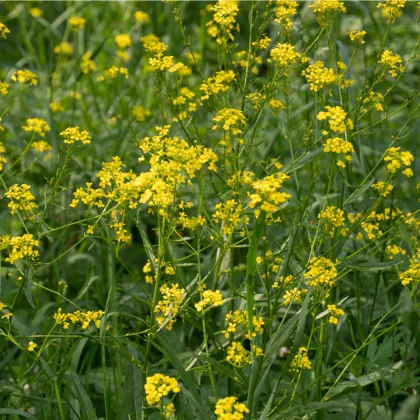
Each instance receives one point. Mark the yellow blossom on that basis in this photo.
(4, 30)
(81, 318)
(398, 159)
(168, 308)
(318, 76)
(25, 76)
(301, 360)
(72, 135)
(87, 64)
(123, 40)
(357, 36)
(224, 20)
(285, 55)
(36, 125)
(20, 198)
(158, 387)
(334, 314)
(4, 88)
(392, 62)
(336, 117)
(285, 9)
(321, 272)
(218, 83)
(77, 22)
(230, 409)
(35, 12)
(332, 218)
(141, 17)
(19, 247)
(140, 113)
(210, 299)
(237, 355)
(382, 188)
(392, 8)
(31, 346)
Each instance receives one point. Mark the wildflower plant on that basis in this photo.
(209, 210)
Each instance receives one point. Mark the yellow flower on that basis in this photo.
(86, 63)
(20, 198)
(159, 386)
(224, 20)
(397, 159)
(392, 62)
(325, 10)
(392, 8)
(31, 346)
(35, 12)
(123, 41)
(334, 314)
(232, 119)
(382, 188)
(25, 76)
(72, 135)
(393, 250)
(318, 76)
(56, 107)
(19, 247)
(4, 88)
(339, 146)
(357, 36)
(230, 409)
(301, 360)
(294, 295)
(41, 146)
(210, 299)
(336, 117)
(36, 125)
(64, 48)
(218, 83)
(4, 30)
(332, 218)
(412, 274)
(114, 72)
(285, 9)
(140, 113)
(77, 22)
(285, 55)
(237, 355)
(81, 318)
(141, 17)
(168, 308)
(321, 272)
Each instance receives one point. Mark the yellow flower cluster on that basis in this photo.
(56, 107)
(374, 98)
(87, 64)
(318, 76)
(123, 40)
(64, 48)
(283, 281)
(325, 10)
(239, 319)
(392, 62)
(267, 193)
(332, 218)
(334, 314)
(237, 355)
(224, 20)
(230, 409)
(210, 299)
(36, 125)
(393, 250)
(114, 72)
(294, 295)
(412, 275)
(231, 213)
(158, 387)
(140, 113)
(32, 346)
(4, 88)
(25, 76)
(78, 317)
(141, 17)
(84, 319)
(285, 9)
(285, 55)
(20, 198)
(232, 119)
(77, 22)
(321, 272)
(397, 159)
(168, 308)
(4, 30)
(19, 247)
(336, 117)
(339, 146)
(242, 60)
(218, 83)
(156, 47)
(72, 135)
(392, 8)
(357, 36)
(382, 188)
(301, 360)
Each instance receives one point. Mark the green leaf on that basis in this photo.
(132, 402)
(359, 191)
(89, 281)
(77, 388)
(5, 411)
(366, 379)
(362, 264)
(28, 285)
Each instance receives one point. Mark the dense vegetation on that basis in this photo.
(209, 210)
